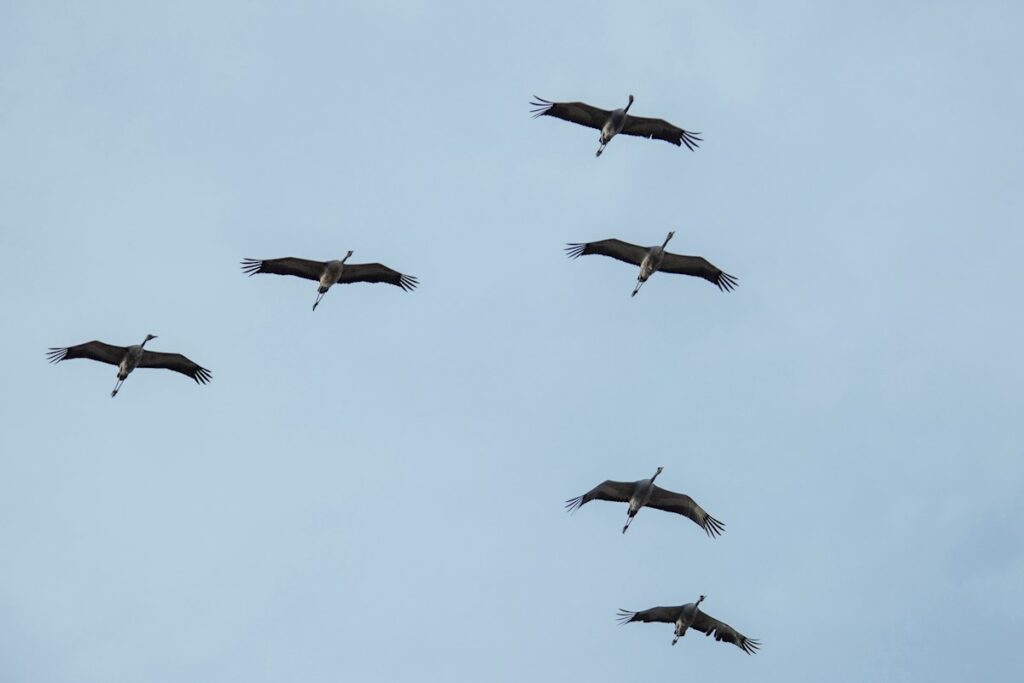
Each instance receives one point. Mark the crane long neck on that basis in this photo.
(628, 105)
(667, 238)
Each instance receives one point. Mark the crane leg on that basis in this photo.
(629, 520)
(320, 295)
(600, 149)
(639, 284)
(117, 387)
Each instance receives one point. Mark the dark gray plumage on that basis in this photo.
(645, 493)
(690, 616)
(329, 273)
(655, 259)
(127, 358)
(613, 122)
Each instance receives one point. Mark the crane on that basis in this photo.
(330, 273)
(616, 121)
(127, 358)
(690, 616)
(644, 493)
(653, 259)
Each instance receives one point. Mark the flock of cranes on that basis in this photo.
(644, 493)
(326, 273)
(649, 260)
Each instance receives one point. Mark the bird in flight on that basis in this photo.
(644, 493)
(690, 616)
(127, 358)
(653, 259)
(616, 121)
(330, 273)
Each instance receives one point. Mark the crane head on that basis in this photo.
(150, 336)
(631, 99)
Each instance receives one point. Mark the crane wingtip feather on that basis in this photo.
(713, 527)
(726, 282)
(541, 106)
(624, 616)
(575, 249)
(251, 266)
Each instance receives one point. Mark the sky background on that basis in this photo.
(374, 491)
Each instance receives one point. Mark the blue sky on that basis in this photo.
(374, 491)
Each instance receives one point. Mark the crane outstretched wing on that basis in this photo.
(617, 249)
(682, 504)
(725, 633)
(616, 491)
(660, 129)
(176, 362)
(698, 266)
(574, 112)
(666, 615)
(94, 350)
(377, 272)
(299, 267)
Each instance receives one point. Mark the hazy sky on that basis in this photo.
(374, 491)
